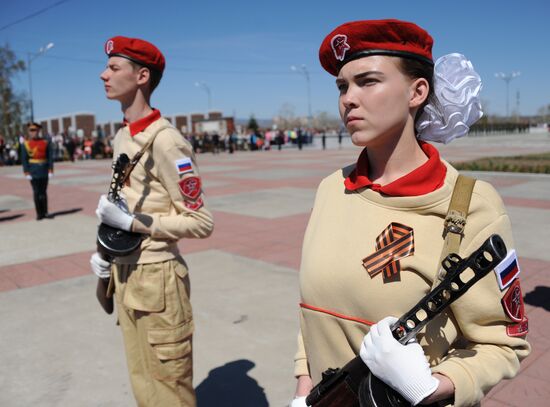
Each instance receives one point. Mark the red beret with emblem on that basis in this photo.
(136, 50)
(358, 39)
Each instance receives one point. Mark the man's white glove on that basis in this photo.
(402, 367)
(100, 267)
(50, 174)
(298, 402)
(29, 177)
(115, 215)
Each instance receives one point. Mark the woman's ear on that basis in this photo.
(420, 88)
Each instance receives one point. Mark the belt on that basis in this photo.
(38, 161)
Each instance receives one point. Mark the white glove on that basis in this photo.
(115, 215)
(402, 367)
(29, 177)
(100, 267)
(50, 174)
(298, 402)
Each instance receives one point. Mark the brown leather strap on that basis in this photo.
(135, 159)
(455, 221)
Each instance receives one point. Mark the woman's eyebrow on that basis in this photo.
(367, 73)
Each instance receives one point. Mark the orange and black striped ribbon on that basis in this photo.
(394, 243)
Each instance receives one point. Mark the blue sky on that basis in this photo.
(243, 50)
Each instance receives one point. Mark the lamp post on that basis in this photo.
(507, 77)
(31, 57)
(303, 70)
(207, 90)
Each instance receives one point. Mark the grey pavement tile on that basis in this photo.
(205, 169)
(266, 203)
(57, 172)
(83, 180)
(245, 310)
(531, 230)
(532, 186)
(48, 238)
(70, 353)
(277, 174)
(12, 202)
(534, 189)
(63, 349)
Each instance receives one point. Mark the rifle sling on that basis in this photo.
(455, 221)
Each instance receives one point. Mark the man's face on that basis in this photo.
(34, 132)
(120, 79)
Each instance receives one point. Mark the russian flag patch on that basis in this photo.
(184, 165)
(507, 270)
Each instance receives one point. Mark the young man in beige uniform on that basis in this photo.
(164, 202)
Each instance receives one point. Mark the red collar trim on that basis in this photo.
(423, 180)
(139, 125)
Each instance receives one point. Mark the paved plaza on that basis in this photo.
(60, 349)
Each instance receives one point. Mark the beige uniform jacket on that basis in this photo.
(154, 194)
(469, 344)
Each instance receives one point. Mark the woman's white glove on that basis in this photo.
(100, 267)
(114, 214)
(402, 367)
(298, 402)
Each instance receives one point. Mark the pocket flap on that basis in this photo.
(170, 335)
(173, 351)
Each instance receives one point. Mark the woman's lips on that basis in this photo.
(351, 119)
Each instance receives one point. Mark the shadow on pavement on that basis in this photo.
(230, 386)
(539, 297)
(65, 212)
(11, 217)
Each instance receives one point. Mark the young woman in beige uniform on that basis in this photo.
(392, 100)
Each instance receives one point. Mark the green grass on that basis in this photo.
(534, 163)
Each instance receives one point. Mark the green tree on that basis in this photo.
(13, 105)
(253, 124)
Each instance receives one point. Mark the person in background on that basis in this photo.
(37, 161)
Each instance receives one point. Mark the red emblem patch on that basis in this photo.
(513, 302)
(194, 206)
(339, 46)
(190, 187)
(519, 329)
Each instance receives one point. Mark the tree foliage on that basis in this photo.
(13, 106)
(253, 124)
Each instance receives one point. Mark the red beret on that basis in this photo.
(359, 39)
(136, 50)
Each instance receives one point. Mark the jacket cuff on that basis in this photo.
(465, 389)
(300, 368)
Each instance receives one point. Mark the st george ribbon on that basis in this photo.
(394, 243)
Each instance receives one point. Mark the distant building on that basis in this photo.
(82, 123)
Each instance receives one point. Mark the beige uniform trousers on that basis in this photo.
(155, 315)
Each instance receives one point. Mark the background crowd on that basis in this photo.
(71, 147)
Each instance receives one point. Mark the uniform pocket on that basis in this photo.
(172, 351)
(144, 289)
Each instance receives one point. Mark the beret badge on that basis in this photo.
(339, 46)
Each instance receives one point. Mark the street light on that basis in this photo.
(31, 57)
(507, 77)
(303, 70)
(207, 90)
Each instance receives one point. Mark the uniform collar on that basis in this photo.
(139, 125)
(423, 180)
